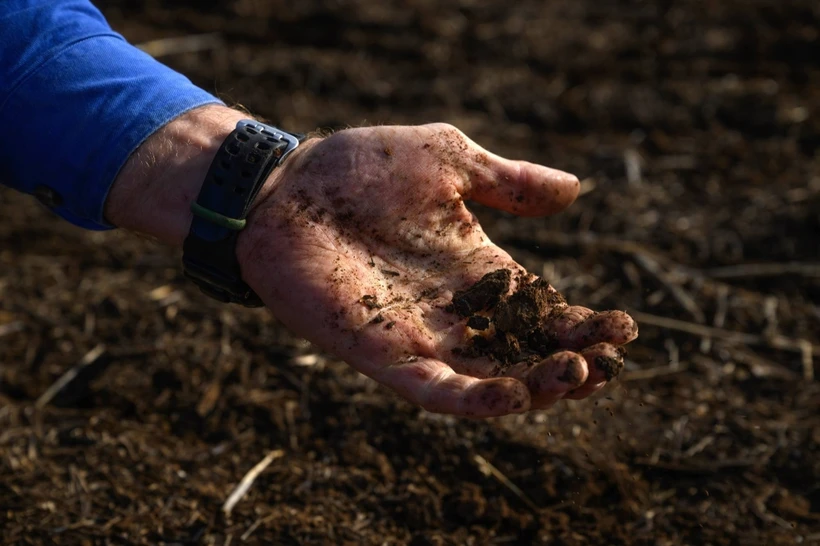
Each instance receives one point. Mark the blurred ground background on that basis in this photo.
(695, 126)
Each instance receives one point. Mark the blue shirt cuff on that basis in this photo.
(71, 122)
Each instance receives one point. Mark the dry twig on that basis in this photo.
(245, 484)
(720, 315)
(69, 376)
(651, 373)
(651, 266)
(633, 163)
(807, 360)
(775, 342)
(488, 469)
(254, 526)
(764, 270)
(11, 327)
(700, 467)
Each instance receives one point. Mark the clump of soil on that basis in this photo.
(483, 295)
(477, 322)
(522, 312)
(513, 331)
(610, 366)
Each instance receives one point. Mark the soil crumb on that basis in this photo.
(512, 333)
(610, 366)
(477, 322)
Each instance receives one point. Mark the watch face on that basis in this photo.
(272, 135)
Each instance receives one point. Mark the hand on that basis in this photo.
(359, 241)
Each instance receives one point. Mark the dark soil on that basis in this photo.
(695, 128)
(611, 366)
(517, 326)
(526, 309)
(484, 295)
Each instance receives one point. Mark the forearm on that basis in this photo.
(76, 101)
(155, 188)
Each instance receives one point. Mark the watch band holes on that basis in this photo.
(225, 164)
(254, 157)
(270, 139)
(251, 131)
(268, 133)
(264, 146)
(232, 148)
(243, 137)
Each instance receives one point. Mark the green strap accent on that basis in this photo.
(221, 220)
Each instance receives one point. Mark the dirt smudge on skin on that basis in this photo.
(574, 372)
(370, 301)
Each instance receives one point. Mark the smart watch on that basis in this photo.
(238, 171)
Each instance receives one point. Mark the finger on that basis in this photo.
(552, 378)
(605, 362)
(437, 388)
(584, 391)
(578, 327)
(519, 187)
(563, 326)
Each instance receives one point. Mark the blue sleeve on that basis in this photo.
(75, 101)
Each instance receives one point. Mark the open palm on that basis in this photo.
(359, 243)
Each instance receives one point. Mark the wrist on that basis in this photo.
(153, 192)
(263, 212)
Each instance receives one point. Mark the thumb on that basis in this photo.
(519, 187)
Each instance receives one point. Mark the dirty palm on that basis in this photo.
(383, 264)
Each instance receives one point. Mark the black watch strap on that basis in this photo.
(238, 171)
